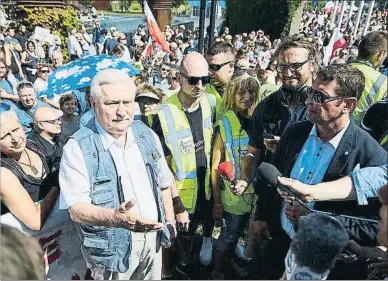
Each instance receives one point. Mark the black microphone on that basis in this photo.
(318, 242)
(269, 173)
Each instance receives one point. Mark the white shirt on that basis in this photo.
(74, 179)
(40, 85)
(74, 46)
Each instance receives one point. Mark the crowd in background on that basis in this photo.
(254, 87)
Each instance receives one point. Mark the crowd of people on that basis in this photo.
(135, 160)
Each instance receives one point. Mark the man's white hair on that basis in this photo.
(4, 115)
(109, 77)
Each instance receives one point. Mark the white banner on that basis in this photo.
(61, 246)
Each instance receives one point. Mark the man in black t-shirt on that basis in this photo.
(184, 125)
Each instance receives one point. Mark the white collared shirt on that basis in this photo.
(311, 165)
(74, 179)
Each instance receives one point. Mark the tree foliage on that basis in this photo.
(273, 17)
(59, 20)
(125, 5)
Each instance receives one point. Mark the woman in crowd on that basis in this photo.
(25, 176)
(175, 86)
(271, 71)
(70, 122)
(5, 53)
(118, 51)
(231, 144)
(149, 98)
(30, 61)
(8, 84)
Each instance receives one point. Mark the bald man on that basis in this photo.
(184, 124)
(46, 134)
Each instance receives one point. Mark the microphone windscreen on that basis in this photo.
(226, 170)
(318, 242)
(269, 173)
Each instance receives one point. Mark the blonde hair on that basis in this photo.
(236, 85)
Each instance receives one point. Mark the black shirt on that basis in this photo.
(195, 121)
(51, 151)
(273, 115)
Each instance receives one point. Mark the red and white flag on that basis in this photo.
(148, 49)
(337, 41)
(154, 30)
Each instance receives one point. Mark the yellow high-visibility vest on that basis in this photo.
(375, 89)
(235, 142)
(179, 140)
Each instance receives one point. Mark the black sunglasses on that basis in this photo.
(55, 121)
(123, 38)
(319, 97)
(194, 80)
(216, 67)
(293, 66)
(4, 107)
(45, 71)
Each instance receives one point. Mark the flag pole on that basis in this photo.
(370, 11)
(360, 8)
(342, 14)
(334, 14)
(350, 14)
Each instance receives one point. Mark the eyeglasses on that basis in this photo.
(45, 71)
(4, 107)
(192, 80)
(293, 66)
(55, 121)
(165, 69)
(216, 67)
(319, 97)
(123, 38)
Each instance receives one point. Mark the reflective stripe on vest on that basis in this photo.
(179, 140)
(375, 89)
(235, 139)
(384, 140)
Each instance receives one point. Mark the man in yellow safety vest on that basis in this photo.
(184, 123)
(371, 53)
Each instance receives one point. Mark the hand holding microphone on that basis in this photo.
(227, 171)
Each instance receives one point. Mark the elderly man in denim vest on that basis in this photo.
(115, 183)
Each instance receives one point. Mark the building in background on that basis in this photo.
(195, 6)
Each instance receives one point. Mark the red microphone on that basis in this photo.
(227, 171)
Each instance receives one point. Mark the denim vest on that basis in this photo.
(110, 247)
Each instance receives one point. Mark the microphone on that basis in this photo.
(317, 244)
(227, 171)
(269, 173)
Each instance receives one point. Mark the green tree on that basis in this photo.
(274, 17)
(59, 20)
(124, 5)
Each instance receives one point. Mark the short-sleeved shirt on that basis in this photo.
(74, 178)
(26, 116)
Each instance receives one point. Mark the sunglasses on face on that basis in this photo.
(45, 71)
(293, 66)
(55, 121)
(123, 38)
(319, 97)
(165, 69)
(192, 80)
(216, 67)
(4, 107)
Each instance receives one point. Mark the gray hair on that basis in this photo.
(109, 77)
(5, 114)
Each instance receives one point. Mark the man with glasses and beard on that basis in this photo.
(296, 57)
(325, 147)
(184, 124)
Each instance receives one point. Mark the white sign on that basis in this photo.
(61, 246)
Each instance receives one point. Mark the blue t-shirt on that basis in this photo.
(6, 86)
